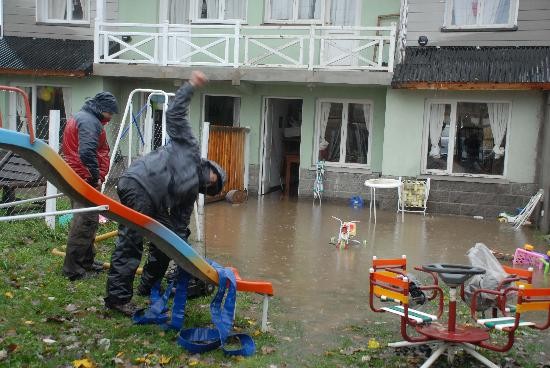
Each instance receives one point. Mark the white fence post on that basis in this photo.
(246, 158)
(53, 141)
(201, 233)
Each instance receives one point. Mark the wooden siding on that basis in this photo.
(426, 18)
(20, 20)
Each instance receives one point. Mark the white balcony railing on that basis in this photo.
(301, 47)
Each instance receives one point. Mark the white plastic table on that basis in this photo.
(382, 183)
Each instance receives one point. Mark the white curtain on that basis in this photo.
(324, 114)
(57, 9)
(67, 102)
(495, 11)
(85, 8)
(178, 11)
(281, 9)
(343, 12)
(236, 111)
(465, 12)
(235, 9)
(498, 119)
(437, 116)
(309, 9)
(21, 111)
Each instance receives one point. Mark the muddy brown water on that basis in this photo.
(325, 289)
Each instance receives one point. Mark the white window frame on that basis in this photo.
(343, 133)
(33, 100)
(1, 19)
(511, 25)
(195, 14)
(42, 14)
(295, 11)
(452, 136)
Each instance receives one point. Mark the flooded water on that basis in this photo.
(287, 242)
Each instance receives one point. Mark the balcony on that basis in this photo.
(308, 48)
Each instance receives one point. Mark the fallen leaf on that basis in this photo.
(365, 358)
(71, 308)
(83, 363)
(29, 323)
(120, 354)
(12, 347)
(268, 350)
(143, 360)
(373, 344)
(104, 343)
(286, 338)
(48, 341)
(56, 319)
(51, 298)
(3, 355)
(256, 333)
(251, 322)
(351, 350)
(164, 359)
(8, 294)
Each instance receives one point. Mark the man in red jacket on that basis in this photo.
(86, 150)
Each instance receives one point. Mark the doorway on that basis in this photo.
(280, 152)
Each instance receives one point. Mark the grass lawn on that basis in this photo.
(47, 321)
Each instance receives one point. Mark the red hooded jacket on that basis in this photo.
(85, 146)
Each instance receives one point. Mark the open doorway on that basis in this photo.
(281, 135)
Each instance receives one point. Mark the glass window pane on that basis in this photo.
(357, 140)
(439, 121)
(465, 12)
(178, 11)
(309, 9)
(209, 9)
(343, 13)
(79, 9)
(235, 9)
(281, 9)
(330, 131)
(479, 128)
(47, 98)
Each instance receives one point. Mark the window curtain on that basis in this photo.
(281, 9)
(342, 12)
(236, 111)
(309, 9)
(364, 148)
(465, 12)
(324, 114)
(235, 9)
(498, 119)
(57, 9)
(178, 11)
(21, 122)
(67, 102)
(85, 8)
(437, 117)
(495, 12)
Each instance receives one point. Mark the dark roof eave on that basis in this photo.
(465, 86)
(46, 72)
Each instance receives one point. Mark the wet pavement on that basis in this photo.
(287, 242)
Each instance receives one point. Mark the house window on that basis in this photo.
(64, 11)
(1, 18)
(344, 130)
(222, 110)
(42, 99)
(478, 14)
(295, 11)
(219, 11)
(466, 138)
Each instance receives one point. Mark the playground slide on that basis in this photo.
(56, 171)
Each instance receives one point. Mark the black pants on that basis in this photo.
(80, 253)
(129, 247)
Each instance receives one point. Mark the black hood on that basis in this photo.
(102, 102)
(206, 166)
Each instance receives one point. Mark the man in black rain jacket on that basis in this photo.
(164, 185)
